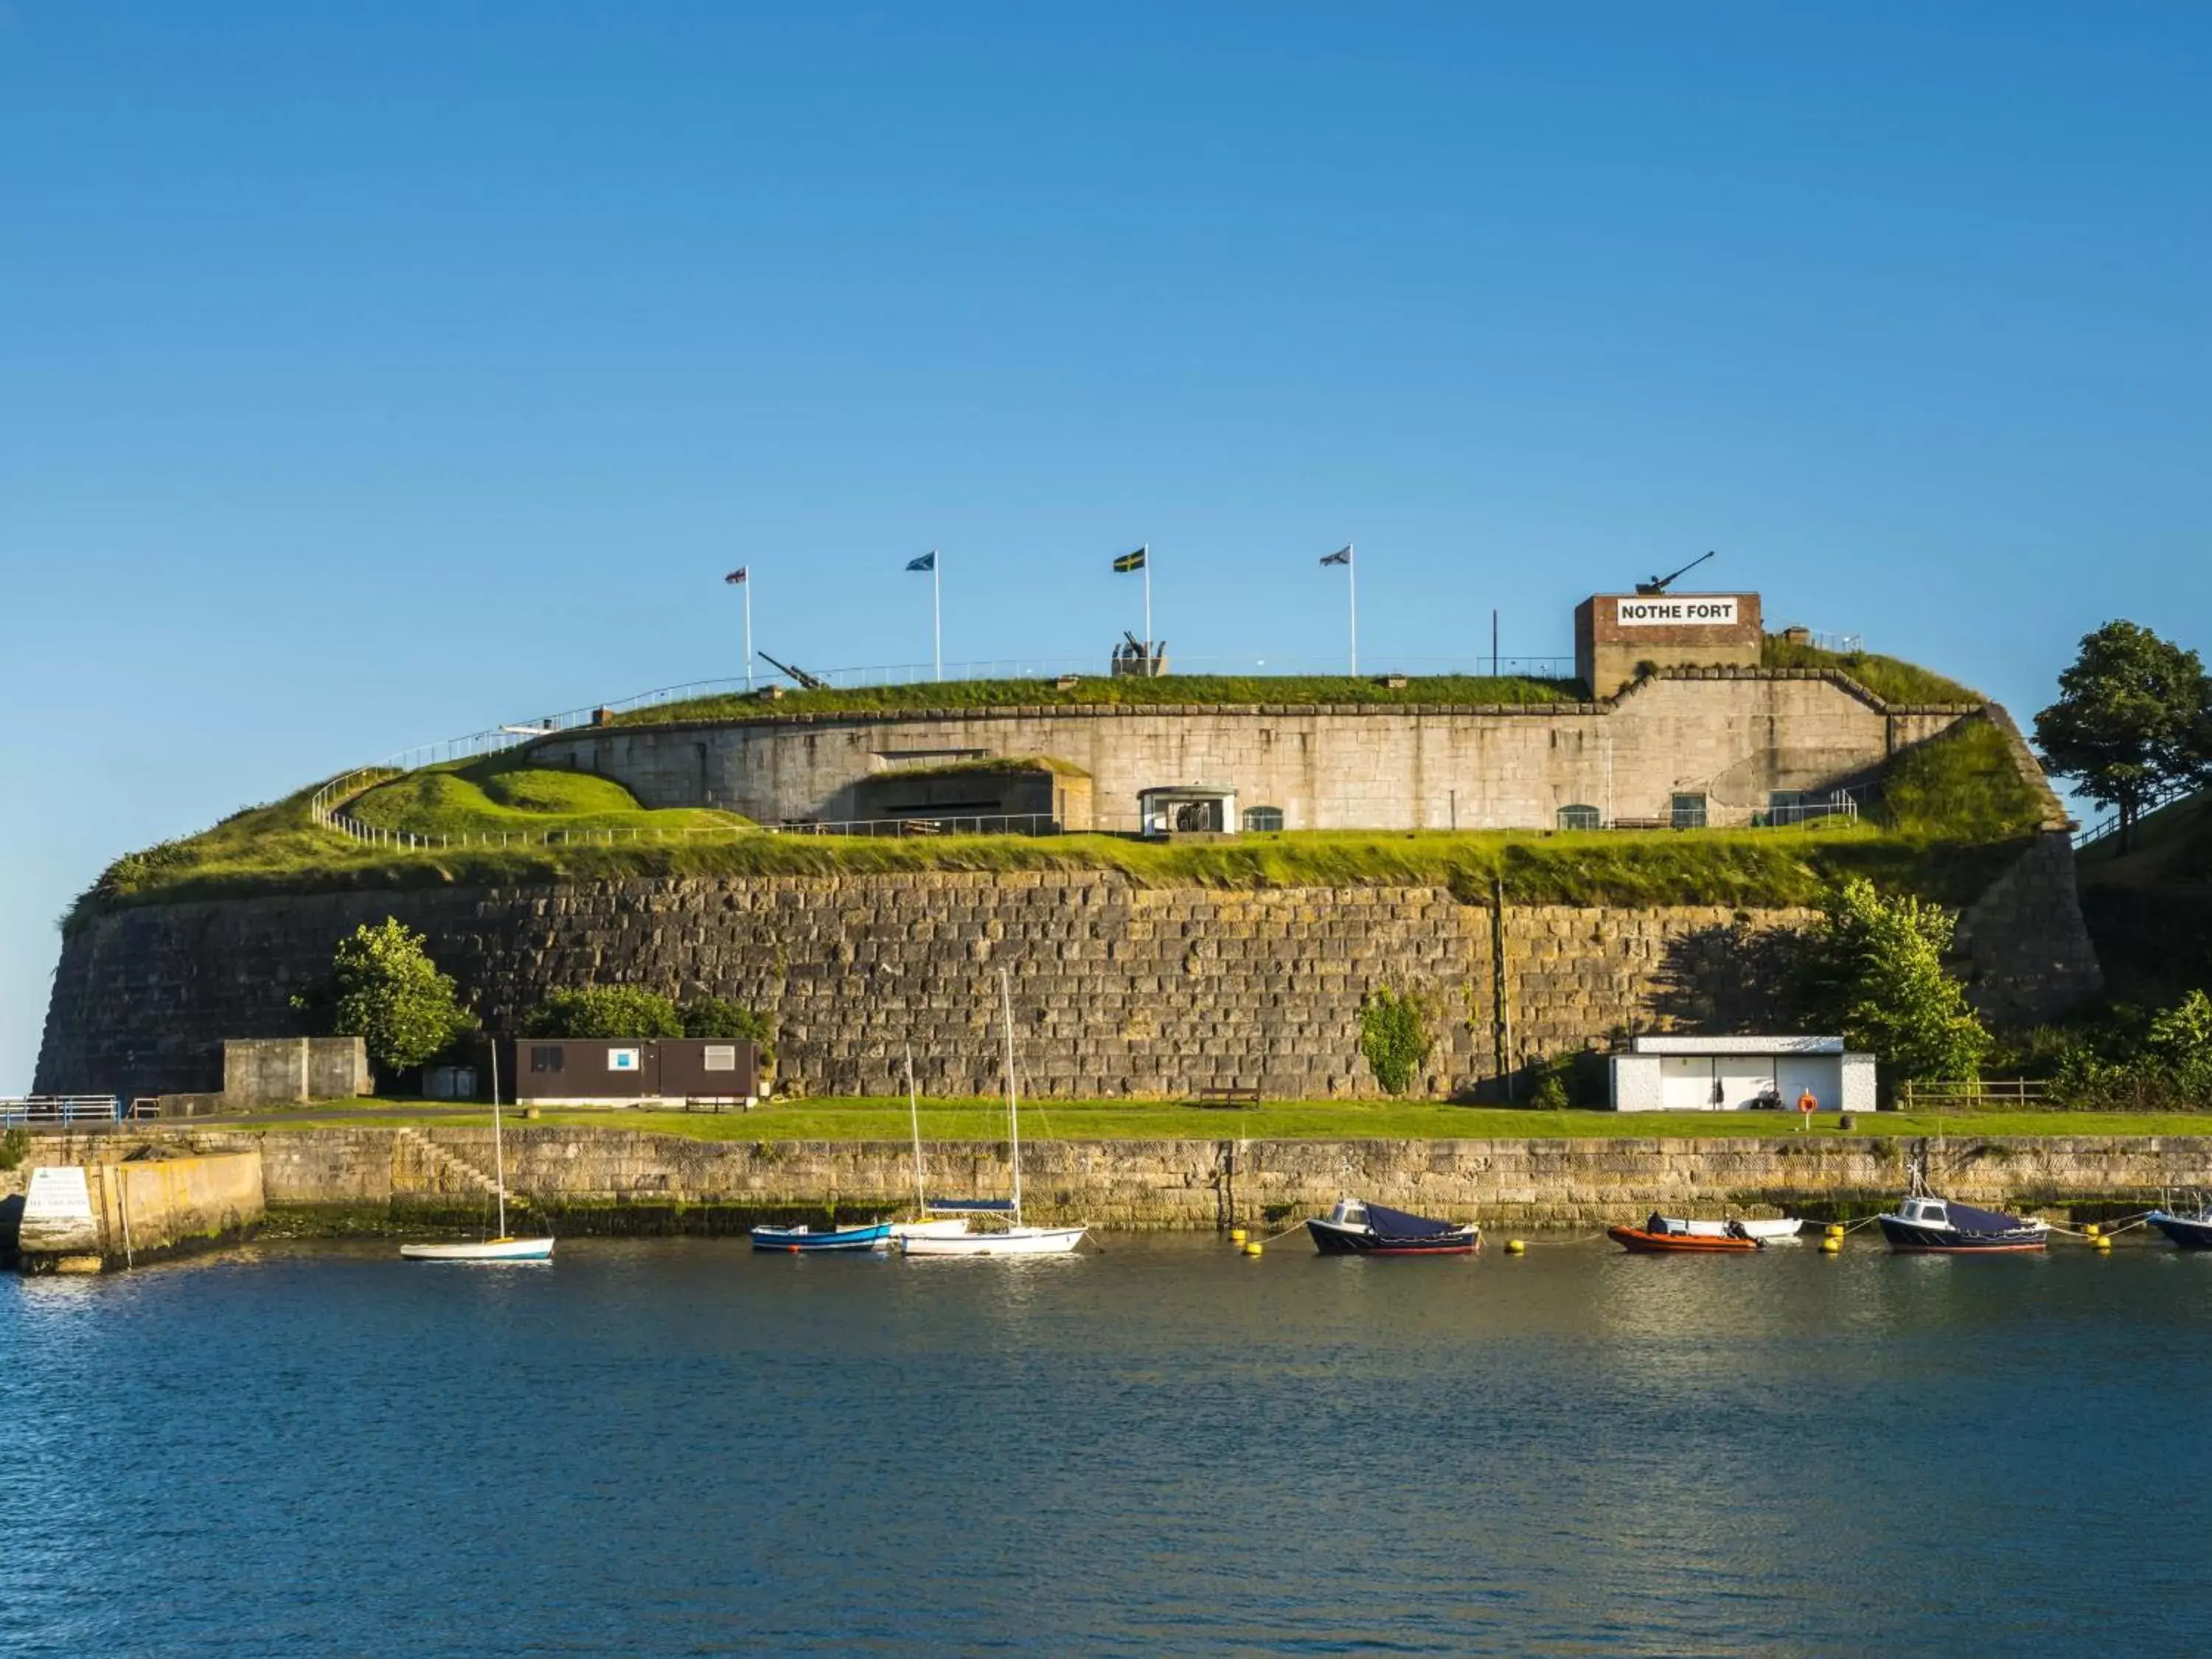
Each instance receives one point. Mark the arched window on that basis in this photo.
(1581, 817)
(1263, 818)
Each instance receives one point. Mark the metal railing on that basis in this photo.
(21, 1111)
(1807, 812)
(2109, 825)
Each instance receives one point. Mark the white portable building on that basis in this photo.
(1740, 1073)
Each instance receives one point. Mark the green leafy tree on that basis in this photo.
(1873, 971)
(1395, 1038)
(385, 989)
(604, 1011)
(728, 1022)
(2134, 714)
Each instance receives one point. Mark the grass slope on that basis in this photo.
(1887, 678)
(483, 799)
(1963, 785)
(1329, 1120)
(1241, 690)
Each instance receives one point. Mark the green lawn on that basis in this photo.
(1121, 1120)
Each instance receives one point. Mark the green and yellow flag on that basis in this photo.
(1129, 561)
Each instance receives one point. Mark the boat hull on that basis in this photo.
(1637, 1241)
(493, 1250)
(1331, 1238)
(2190, 1232)
(1021, 1241)
(798, 1241)
(1907, 1239)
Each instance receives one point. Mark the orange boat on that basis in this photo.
(1664, 1240)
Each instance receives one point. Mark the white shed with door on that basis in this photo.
(1740, 1074)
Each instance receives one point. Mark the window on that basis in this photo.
(622, 1060)
(1581, 817)
(721, 1057)
(545, 1057)
(1263, 818)
(1687, 812)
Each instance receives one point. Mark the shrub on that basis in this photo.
(14, 1147)
(604, 1011)
(718, 1018)
(1395, 1038)
(1874, 970)
(385, 989)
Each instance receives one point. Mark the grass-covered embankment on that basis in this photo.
(1891, 679)
(1325, 1120)
(1459, 690)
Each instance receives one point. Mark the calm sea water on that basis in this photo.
(676, 1447)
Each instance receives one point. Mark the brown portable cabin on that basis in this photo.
(599, 1071)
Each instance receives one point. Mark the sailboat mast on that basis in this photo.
(1014, 1111)
(498, 1145)
(914, 1111)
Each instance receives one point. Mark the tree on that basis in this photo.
(614, 1011)
(2134, 712)
(1873, 971)
(728, 1022)
(385, 989)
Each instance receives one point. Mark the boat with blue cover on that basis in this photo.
(1353, 1228)
(2190, 1229)
(1928, 1225)
(802, 1240)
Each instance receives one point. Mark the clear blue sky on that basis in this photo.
(370, 374)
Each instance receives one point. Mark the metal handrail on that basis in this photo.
(2110, 825)
(19, 1111)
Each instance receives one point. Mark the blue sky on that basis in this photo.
(370, 374)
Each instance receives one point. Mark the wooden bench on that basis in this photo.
(1227, 1098)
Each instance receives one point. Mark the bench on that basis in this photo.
(1227, 1098)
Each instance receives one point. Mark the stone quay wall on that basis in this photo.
(143, 1208)
(618, 1180)
(1730, 735)
(1119, 989)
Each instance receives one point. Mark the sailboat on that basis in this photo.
(1016, 1239)
(929, 1220)
(501, 1249)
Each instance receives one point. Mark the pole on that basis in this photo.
(936, 631)
(498, 1145)
(1351, 582)
(1149, 653)
(1493, 643)
(913, 1109)
(1013, 1105)
(748, 586)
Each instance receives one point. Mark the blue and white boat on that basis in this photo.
(800, 1241)
(2191, 1229)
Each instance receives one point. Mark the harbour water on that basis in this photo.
(679, 1447)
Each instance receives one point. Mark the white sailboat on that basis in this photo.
(924, 1226)
(1016, 1239)
(502, 1248)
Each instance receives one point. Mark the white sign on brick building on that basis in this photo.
(1692, 611)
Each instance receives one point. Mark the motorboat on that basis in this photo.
(1357, 1228)
(1662, 1234)
(2190, 1229)
(803, 1240)
(1923, 1225)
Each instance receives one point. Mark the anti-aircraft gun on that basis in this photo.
(800, 677)
(1661, 584)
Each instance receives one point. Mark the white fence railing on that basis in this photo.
(2110, 823)
(23, 1111)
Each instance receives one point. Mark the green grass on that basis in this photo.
(1232, 688)
(486, 798)
(1106, 1120)
(278, 849)
(1964, 785)
(1887, 678)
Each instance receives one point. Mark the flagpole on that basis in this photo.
(1147, 566)
(1351, 584)
(937, 610)
(748, 586)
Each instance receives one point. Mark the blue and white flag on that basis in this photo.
(926, 561)
(739, 575)
(1342, 556)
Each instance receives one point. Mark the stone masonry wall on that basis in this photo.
(1118, 989)
(650, 1182)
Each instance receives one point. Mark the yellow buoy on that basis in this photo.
(1515, 1246)
(2092, 1230)
(1254, 1248)
(1831, 1245)
(1835, 1229)
(2101, 1243)
(1237, 1235)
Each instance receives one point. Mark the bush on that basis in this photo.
(612, 1011)
(14, 1147)
(1873, 971)
(718, 1018)
(385, 989)
(2160, 1060)
(1395, 1038)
